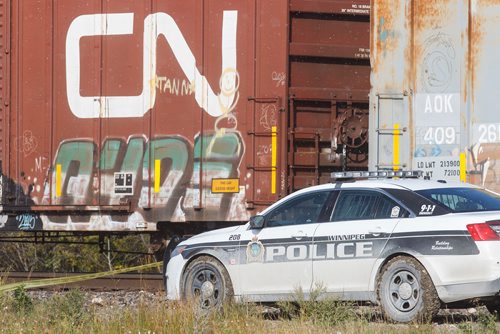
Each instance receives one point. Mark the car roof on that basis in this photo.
(394, 183)
(412, 184)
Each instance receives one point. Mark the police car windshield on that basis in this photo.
(463, 199)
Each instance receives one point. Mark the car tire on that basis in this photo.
(406, 292)
(207, 282)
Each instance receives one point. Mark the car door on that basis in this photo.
(347, 246)
(275, 260)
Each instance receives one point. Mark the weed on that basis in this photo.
(22, 302)
(487, 321)
(68, 307)
(288, 309)
(67, 313)
(319, 310)
(466, 327)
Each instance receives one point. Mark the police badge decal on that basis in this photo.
(255, 251)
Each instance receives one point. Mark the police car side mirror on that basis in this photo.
(256, 222)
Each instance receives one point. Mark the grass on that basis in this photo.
(69, 313)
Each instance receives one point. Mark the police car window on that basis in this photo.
(362, 204)
(416, 202)
(304, 209)
(463, 199)
(387, 208)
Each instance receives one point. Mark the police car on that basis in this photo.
(408, 244)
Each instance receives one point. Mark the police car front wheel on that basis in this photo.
(207, 281)
(406, 292)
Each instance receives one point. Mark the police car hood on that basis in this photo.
(215, 234)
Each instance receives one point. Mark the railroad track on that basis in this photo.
(129, 281)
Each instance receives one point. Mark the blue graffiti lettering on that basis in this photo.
(26, 221)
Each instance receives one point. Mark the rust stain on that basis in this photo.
(410, 71)
(373, 9)
(431, 13)
(487, 3)
(384, 23)
(470, 60)
(476, 32)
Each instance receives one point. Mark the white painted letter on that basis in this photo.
(364, 249)
(273, 251)
(341, 249)
(302, 252)
(313, 249)
(438, 103)
(448, 107)
(428, 106)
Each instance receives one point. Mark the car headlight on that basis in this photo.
(177, 251)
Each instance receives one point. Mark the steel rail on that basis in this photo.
(128, 281)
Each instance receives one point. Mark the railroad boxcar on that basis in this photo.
(175, 116)
(434, 78)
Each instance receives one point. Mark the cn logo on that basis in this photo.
(155, 25)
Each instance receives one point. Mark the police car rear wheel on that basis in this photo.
(406, 292)
(207, 282)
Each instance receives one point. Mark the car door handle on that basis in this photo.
(376, 231)
(299, 235)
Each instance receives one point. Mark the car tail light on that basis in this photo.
(484, 231)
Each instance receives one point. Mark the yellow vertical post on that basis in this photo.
(274, 145)
(157, 175)
(395, 149)
(58, 180)
(463, 166)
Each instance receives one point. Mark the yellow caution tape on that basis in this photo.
(72, 279)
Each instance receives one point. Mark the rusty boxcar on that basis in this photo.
(175, 116)
(434, 83)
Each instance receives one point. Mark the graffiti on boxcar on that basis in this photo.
(160, 178)
(174, 86)
(438, 67)
(27, 143)
(279, 77)
(39, 161)
(229, 83)
(268, 116)
(485, 154)
(27, 221)
(264, 154)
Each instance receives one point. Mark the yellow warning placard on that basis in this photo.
(225, 185)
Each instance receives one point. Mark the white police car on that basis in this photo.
(409, 244)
